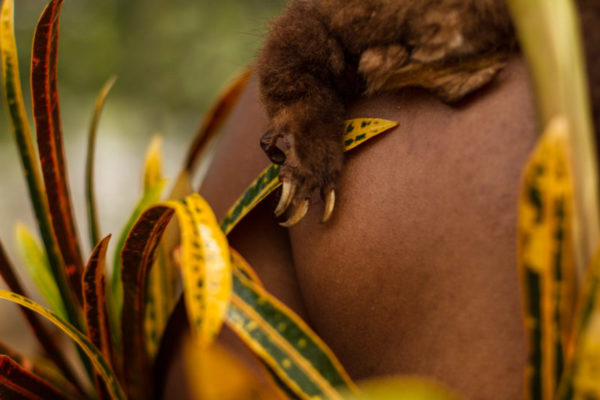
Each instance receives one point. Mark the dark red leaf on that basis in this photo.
(17, 383)
(44, 370)
(49, 138)
(137, 257)
(94, 307)
(54, 352)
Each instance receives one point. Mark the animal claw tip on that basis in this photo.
(329, 205)
(298, 214)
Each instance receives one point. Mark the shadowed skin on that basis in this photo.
(321, 54)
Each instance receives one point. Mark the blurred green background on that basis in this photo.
(171, 58)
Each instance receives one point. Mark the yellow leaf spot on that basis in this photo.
(286, 363)
(302, 343)
(250, 326)
(281, 326)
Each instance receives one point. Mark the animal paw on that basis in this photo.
(312, 163)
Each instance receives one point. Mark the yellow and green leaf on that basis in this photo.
(38, 267)
(206, 266)
(357, 131)
(285, 343)
(549, 36)
(582, 378)
(546, 259)
(94, 225)
(98, 361)
(153, 163)
(7, 272)
(239, 264)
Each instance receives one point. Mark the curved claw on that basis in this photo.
(287, 194)
(300, 212)
(329, 205)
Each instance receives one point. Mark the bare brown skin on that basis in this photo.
(321, 53)
(415, 273)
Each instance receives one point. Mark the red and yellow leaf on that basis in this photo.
(49, 138)
(94, 307)
(23, 137)
(116, 299)
(18, 383)
(138, 255)
(162, 280)
(215, 117)
(46, 370)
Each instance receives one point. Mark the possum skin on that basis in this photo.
(319, 54)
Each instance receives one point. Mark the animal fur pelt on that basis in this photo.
(319, 54)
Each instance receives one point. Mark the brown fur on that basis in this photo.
(321, 53)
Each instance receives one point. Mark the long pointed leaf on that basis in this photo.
(37, 265)
(582, 377)
(215, 117)
(153, 164)
(149, 198)
(546, 260)
(94, 226)
(44, 369)
(16, 382)
(160, 297)
(49, 139)
(549, 35)
(40, 332)
(357, 131)
(206, 266)
(138, 255)
(95, 356)
(23, 137)
(285, 343)
(94, 307)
